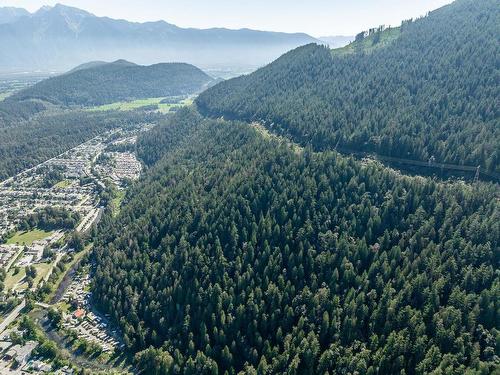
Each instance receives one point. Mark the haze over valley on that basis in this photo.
(60, 37)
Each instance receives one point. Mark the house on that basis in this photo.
(40, 366)
(21, 354)
(79, 314)
(4, 345)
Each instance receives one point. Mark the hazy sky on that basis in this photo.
(315, 17)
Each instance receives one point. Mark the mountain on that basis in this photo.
(10, 14)
(90, 64)
(240, 251)
(236, 253)
(336, 41)
(60, 37)
(102, 83)
(427, 91)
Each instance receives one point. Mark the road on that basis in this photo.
(488, 175)
(88, 220)
(59, 256)
(12, 316)
(13, 259)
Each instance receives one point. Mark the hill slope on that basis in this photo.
(237, 253)
(121, 80)
(430, 91)
(61, 37)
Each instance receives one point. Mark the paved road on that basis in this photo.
(13, 259)
(43, 305)
(12, 316)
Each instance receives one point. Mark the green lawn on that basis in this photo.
(41, 271)
(166, 108)
(135, 104)
(27, 238)
(63, 184)
(11, 280)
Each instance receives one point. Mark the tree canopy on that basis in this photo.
(238, 253)
(430, 94)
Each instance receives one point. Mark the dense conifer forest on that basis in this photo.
(249, 245)
(237, 253)
(430, 94)
(13, 112)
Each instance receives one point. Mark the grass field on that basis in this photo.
(11, 280)
(166, 108)
(41, 271)
(27, 238)
(6, 94)
(140, 103)
(62, 184)
(369, 43)
(117, 201)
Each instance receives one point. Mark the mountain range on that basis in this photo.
(60, 37)
(425, 91)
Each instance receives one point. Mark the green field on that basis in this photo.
(6, 94)
(11, 280)
(41, 271)
(116, 203)
(27, 238)
(140, 103)
(62, 184)
(370, 43)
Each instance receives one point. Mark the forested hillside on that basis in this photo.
(12, 112)
(27, 143)
(237, 253)
(117, 81)
(430, 91)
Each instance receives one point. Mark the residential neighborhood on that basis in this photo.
(69, 185)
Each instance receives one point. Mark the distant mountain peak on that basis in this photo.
(123, 62)
(12, 14)
(60, 36)
(62, 10)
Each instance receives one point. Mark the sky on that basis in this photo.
(315, 17)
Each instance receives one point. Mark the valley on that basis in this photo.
(334, 211)
(11, 83)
